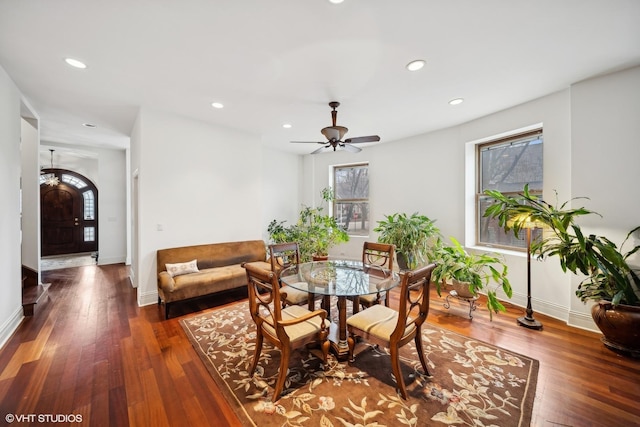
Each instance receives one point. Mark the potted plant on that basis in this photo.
(469, 273)
(412, 236)
(610, 281)
(315, 231)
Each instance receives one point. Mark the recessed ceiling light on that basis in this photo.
(75, 63)
(286, 126)
(217, 105)
(415, 65)
(336, 1)
(89, 125)
(456, 101)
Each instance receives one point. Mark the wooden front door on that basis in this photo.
(68, 214)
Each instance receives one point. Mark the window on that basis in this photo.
(73, 180)
(351, 203)
(89, 234)
(506, 165)
(89, 205)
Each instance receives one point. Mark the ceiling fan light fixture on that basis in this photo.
(334, 132)
(415, 65)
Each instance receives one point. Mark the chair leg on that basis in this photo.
(282, 373)
(418, 341)
(256, 355)
(352, 345)
(397, 372)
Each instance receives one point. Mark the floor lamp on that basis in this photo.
(528, 321)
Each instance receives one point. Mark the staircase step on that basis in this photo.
(31, 295)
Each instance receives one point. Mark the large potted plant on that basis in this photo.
(412, 236)
(315, 231)
(469, 273)
(609, 279)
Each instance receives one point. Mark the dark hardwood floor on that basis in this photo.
(92, 352)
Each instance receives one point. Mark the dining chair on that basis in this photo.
(376, 259)
(393, 329)
(287, 328)
(281, 256)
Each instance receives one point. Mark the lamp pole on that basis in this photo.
(528, 321)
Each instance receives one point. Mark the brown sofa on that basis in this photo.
(219, 268)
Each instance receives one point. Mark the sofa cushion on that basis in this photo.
(205, 282)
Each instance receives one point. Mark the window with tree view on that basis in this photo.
(507, 165)
(351, 203)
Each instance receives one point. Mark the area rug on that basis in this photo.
(472, 383)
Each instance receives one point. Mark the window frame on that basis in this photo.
(336, 200)
(512, 138)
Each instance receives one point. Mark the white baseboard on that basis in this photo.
(582, 321)
(571, 318)
(111, 260)
(10, 326)
(147, 298)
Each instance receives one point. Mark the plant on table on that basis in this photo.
(412, 236)
(315, 231)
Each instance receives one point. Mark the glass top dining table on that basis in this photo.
(342, 279)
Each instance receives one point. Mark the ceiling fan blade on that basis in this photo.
(308, 142)
(361, 139)
(320, 149)
(351, 148)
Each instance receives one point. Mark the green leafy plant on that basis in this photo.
(454, 263)
(609, 276)
(315, 231)
(411, 235)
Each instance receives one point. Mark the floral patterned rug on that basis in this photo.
(472, 384)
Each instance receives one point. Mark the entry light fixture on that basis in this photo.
(52, 180)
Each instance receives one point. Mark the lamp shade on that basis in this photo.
(525, 221)
(334, 132)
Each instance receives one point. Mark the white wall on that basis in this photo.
(30, 173)
(282, 174)
(201, 184)
(10, 252)
(605, 121)
(589, 129)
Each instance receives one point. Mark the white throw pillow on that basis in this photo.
(182, 268)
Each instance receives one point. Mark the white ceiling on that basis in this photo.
(282, 61)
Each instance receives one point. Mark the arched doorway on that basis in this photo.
(68, 213)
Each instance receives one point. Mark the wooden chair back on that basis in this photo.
(265, 302)
(283, 255)
(414, 304)
(377, 256)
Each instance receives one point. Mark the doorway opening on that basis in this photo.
(68, 214)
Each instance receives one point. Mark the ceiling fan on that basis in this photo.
(335, 133)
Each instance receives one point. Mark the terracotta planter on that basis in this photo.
(620, 326)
